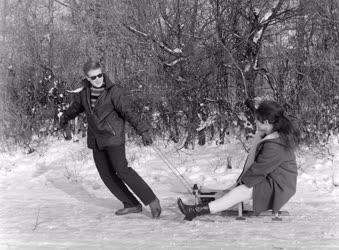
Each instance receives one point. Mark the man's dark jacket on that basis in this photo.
(106, 122)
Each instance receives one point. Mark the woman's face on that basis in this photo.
(264, 127)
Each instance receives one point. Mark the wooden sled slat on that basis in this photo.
(248, 213)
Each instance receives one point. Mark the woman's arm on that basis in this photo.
(267, 161)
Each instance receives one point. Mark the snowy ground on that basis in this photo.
(54, 199)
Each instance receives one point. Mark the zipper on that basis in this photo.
(89, 97)
(99, 98)
(111, 128)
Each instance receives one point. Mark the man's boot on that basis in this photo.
(155, 208)
(192, 211)
(129, 210)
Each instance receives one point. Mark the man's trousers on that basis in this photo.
(114, 171)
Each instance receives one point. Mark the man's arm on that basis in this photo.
(75, 109)
(122, 102)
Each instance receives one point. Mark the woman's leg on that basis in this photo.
(233, 197)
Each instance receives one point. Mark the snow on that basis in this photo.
(175, 62)
(78, 90)
(257, 35)
(266, 16)
(178, 50)
(54, 199)
(247, 67)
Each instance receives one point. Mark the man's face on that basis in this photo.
(95, 77)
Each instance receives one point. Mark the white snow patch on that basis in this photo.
(178, 50)
(266, 16)
(54, 198)
(257, 36)
(78, 90)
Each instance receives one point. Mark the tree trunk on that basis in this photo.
(50, 35)
(4, 22)
(300, 54)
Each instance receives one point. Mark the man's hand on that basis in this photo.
(63, 122)
(147, 139)
(250, 104)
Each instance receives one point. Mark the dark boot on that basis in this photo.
(155, 208)
(129, 210)
(192, 211)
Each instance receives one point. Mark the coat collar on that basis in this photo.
(256, 148)
(271, 136)
(274, 138)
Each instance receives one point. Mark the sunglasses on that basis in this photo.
(95, 77)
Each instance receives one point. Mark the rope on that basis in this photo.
(175, 171)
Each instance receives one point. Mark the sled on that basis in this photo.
(207, 195)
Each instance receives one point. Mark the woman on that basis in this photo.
(270, 172)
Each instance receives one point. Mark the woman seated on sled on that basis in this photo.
(270, 173)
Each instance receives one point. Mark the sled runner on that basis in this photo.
(208, 195)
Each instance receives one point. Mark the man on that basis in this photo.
(107, 107)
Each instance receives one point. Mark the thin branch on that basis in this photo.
(65, 5)
(175, 62)
(175, 52)
(37, 221)
(234, 62)
(308, 83)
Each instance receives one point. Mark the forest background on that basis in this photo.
(189, 64)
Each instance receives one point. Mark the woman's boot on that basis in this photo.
(192, 211)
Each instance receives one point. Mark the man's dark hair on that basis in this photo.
(90, 65)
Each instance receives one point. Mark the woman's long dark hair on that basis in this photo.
(275, 115)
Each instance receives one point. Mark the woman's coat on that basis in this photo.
(273, 175)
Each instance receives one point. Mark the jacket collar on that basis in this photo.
(274, 137)
(108, 83)
(271, 136)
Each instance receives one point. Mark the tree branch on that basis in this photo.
(175, 52)
(65, 5)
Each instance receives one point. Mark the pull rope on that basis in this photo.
(175, 171)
